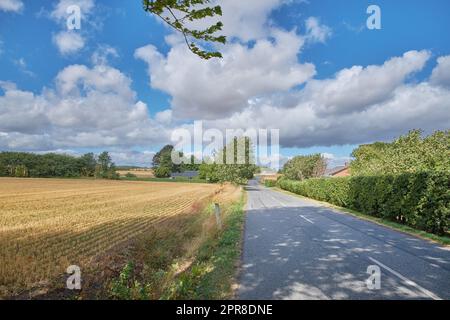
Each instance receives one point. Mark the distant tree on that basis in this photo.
(105, 167)
(162, 172)
(305, 167)
(239, 171)
(180, 15)
(22, 164)
(209, 172)
(163, 156)
(163, 159)
(190, 164)
(87, 165)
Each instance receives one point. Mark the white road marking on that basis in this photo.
(278, 200)
(407, 281)
(307, 219)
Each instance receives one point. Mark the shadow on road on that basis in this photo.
(306, 252)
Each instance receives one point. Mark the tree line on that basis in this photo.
(163, 166)
(410, 153)
(214, 169)
(23, 165)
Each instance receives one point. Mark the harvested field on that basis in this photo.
(47, 225)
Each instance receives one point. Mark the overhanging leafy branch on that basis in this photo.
(179, 13)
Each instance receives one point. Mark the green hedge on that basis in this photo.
(270, 183)
(335, 191)
(419, 200)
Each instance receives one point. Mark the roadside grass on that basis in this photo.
(187, 258)
(444, 240)
(214, 271)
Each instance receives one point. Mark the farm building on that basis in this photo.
(340, 171)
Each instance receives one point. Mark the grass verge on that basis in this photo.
(212, 275)
(444, 240)
(188, 258)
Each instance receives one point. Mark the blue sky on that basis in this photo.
(174, 87)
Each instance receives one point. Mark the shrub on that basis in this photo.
(270, 183)
(162, 172)
(333, 190)
(420, 200)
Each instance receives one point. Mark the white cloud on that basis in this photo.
(256, 85)
(419, 106)
(164, 117)
(7, 85)
(59, 12)
(217, 88)
(23, 67)
(358, 87)
(334, 160)
(246, 20)
(89, 107)
(68, 42)
(96, 107)
(103, 53)
(316, 32)
(11, 5)
(441, 74)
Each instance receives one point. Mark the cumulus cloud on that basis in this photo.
(441, 74)
(59, 12)
(70, 41)
(261, 82)
(245, 20)
(218, 88)
(96, 107)
(334, 160)
(103, 53)
(89, 107)
(356, 88)
(11, 5)
(316, 32)
(258, 87)
(410, 106)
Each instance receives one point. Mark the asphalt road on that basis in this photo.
(299, 249)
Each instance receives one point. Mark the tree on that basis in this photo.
(87, 165)
(163, 159)
(239, 171)
(305, 167)
(190, 164)
(163, 156)
(162, 172)
(105, 167)
(410, 153)
(180, 14)
(21, 164)
(209, 172)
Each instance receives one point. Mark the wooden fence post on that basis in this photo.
(218, 218)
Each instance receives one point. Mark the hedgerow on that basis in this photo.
(420, 200)
(270, 183)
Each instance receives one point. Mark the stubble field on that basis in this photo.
(47, 225)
